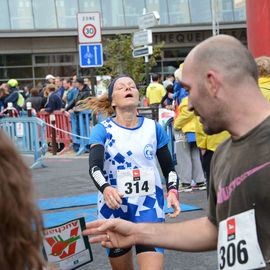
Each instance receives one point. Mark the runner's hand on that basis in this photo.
(173, 202)
(111, 233)
(112, 197)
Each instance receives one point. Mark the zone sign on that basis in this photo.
(89, 27)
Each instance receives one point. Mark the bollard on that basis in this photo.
(29, 109)
(52, 120)
(10, 105)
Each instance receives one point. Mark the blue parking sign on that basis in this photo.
(90, 55)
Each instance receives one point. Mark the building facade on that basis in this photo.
(39, 37)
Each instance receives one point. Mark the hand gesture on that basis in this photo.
(112, 197)
(172, 201)
(111, 233)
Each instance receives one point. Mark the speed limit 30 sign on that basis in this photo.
(89, 27)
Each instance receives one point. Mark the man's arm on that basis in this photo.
(192, 235)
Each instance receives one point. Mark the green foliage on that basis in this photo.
(118, 51)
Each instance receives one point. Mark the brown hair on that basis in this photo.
(21, 220)
(34, 92)
(98, 105)
(263, 65)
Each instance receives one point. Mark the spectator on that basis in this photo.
(83, 93)
(154, 92)
(166, 101)
(189, 164)
(67, 84)
(169, 80)
(10, 95)
(263, 64)
(54, 102)
(21, 221)
(37, 101)
(59, 87)
(221, 77)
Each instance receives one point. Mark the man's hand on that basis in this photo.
(42, 110)
(71, 111)
(112, 197)
(172, 201)
(111, 233)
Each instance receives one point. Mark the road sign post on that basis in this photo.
(144, 51)
(89, 31)
(89, 27)
(90, 55)
(144, 38)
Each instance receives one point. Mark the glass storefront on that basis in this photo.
(61, 14)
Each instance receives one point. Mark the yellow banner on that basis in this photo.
(239, 3)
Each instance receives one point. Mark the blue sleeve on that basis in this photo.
(162, 136)
(98, 134)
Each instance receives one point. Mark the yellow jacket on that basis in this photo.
(209, 142)
(264, 84)
(185, 119)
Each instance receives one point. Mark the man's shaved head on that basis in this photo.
(225, 54)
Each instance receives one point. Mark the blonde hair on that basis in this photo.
(178, 74)
(263, 65)
(97, 105)
(48, 89)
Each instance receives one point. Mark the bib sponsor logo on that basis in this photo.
(136, 174)
(149, 151)
(231, 229)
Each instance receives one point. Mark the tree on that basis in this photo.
(119, 59)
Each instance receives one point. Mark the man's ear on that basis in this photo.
(212, 83)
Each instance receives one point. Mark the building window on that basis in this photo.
(178, 12)
(21, 16)
(66, 13)
(4, 18)
(161, 7)
(44, 14)
(112, 13)
(200, 11)
(133, 12)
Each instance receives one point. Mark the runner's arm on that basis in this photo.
(192, 235)
(166, 164)
(96, 163)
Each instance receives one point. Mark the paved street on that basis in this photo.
(68, 176)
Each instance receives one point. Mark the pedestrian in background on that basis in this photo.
(154, 92)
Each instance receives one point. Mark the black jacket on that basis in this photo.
(83, 94)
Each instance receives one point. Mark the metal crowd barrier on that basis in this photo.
(62, 121)
(148, 112)
(81, 125)
(28, 134)
(170, 131)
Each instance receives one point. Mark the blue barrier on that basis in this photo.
(81, 124)
(170, 131)
(25, 132)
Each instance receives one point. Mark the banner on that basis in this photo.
(239, 3)
(65, 247)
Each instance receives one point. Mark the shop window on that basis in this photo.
(15, 60)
